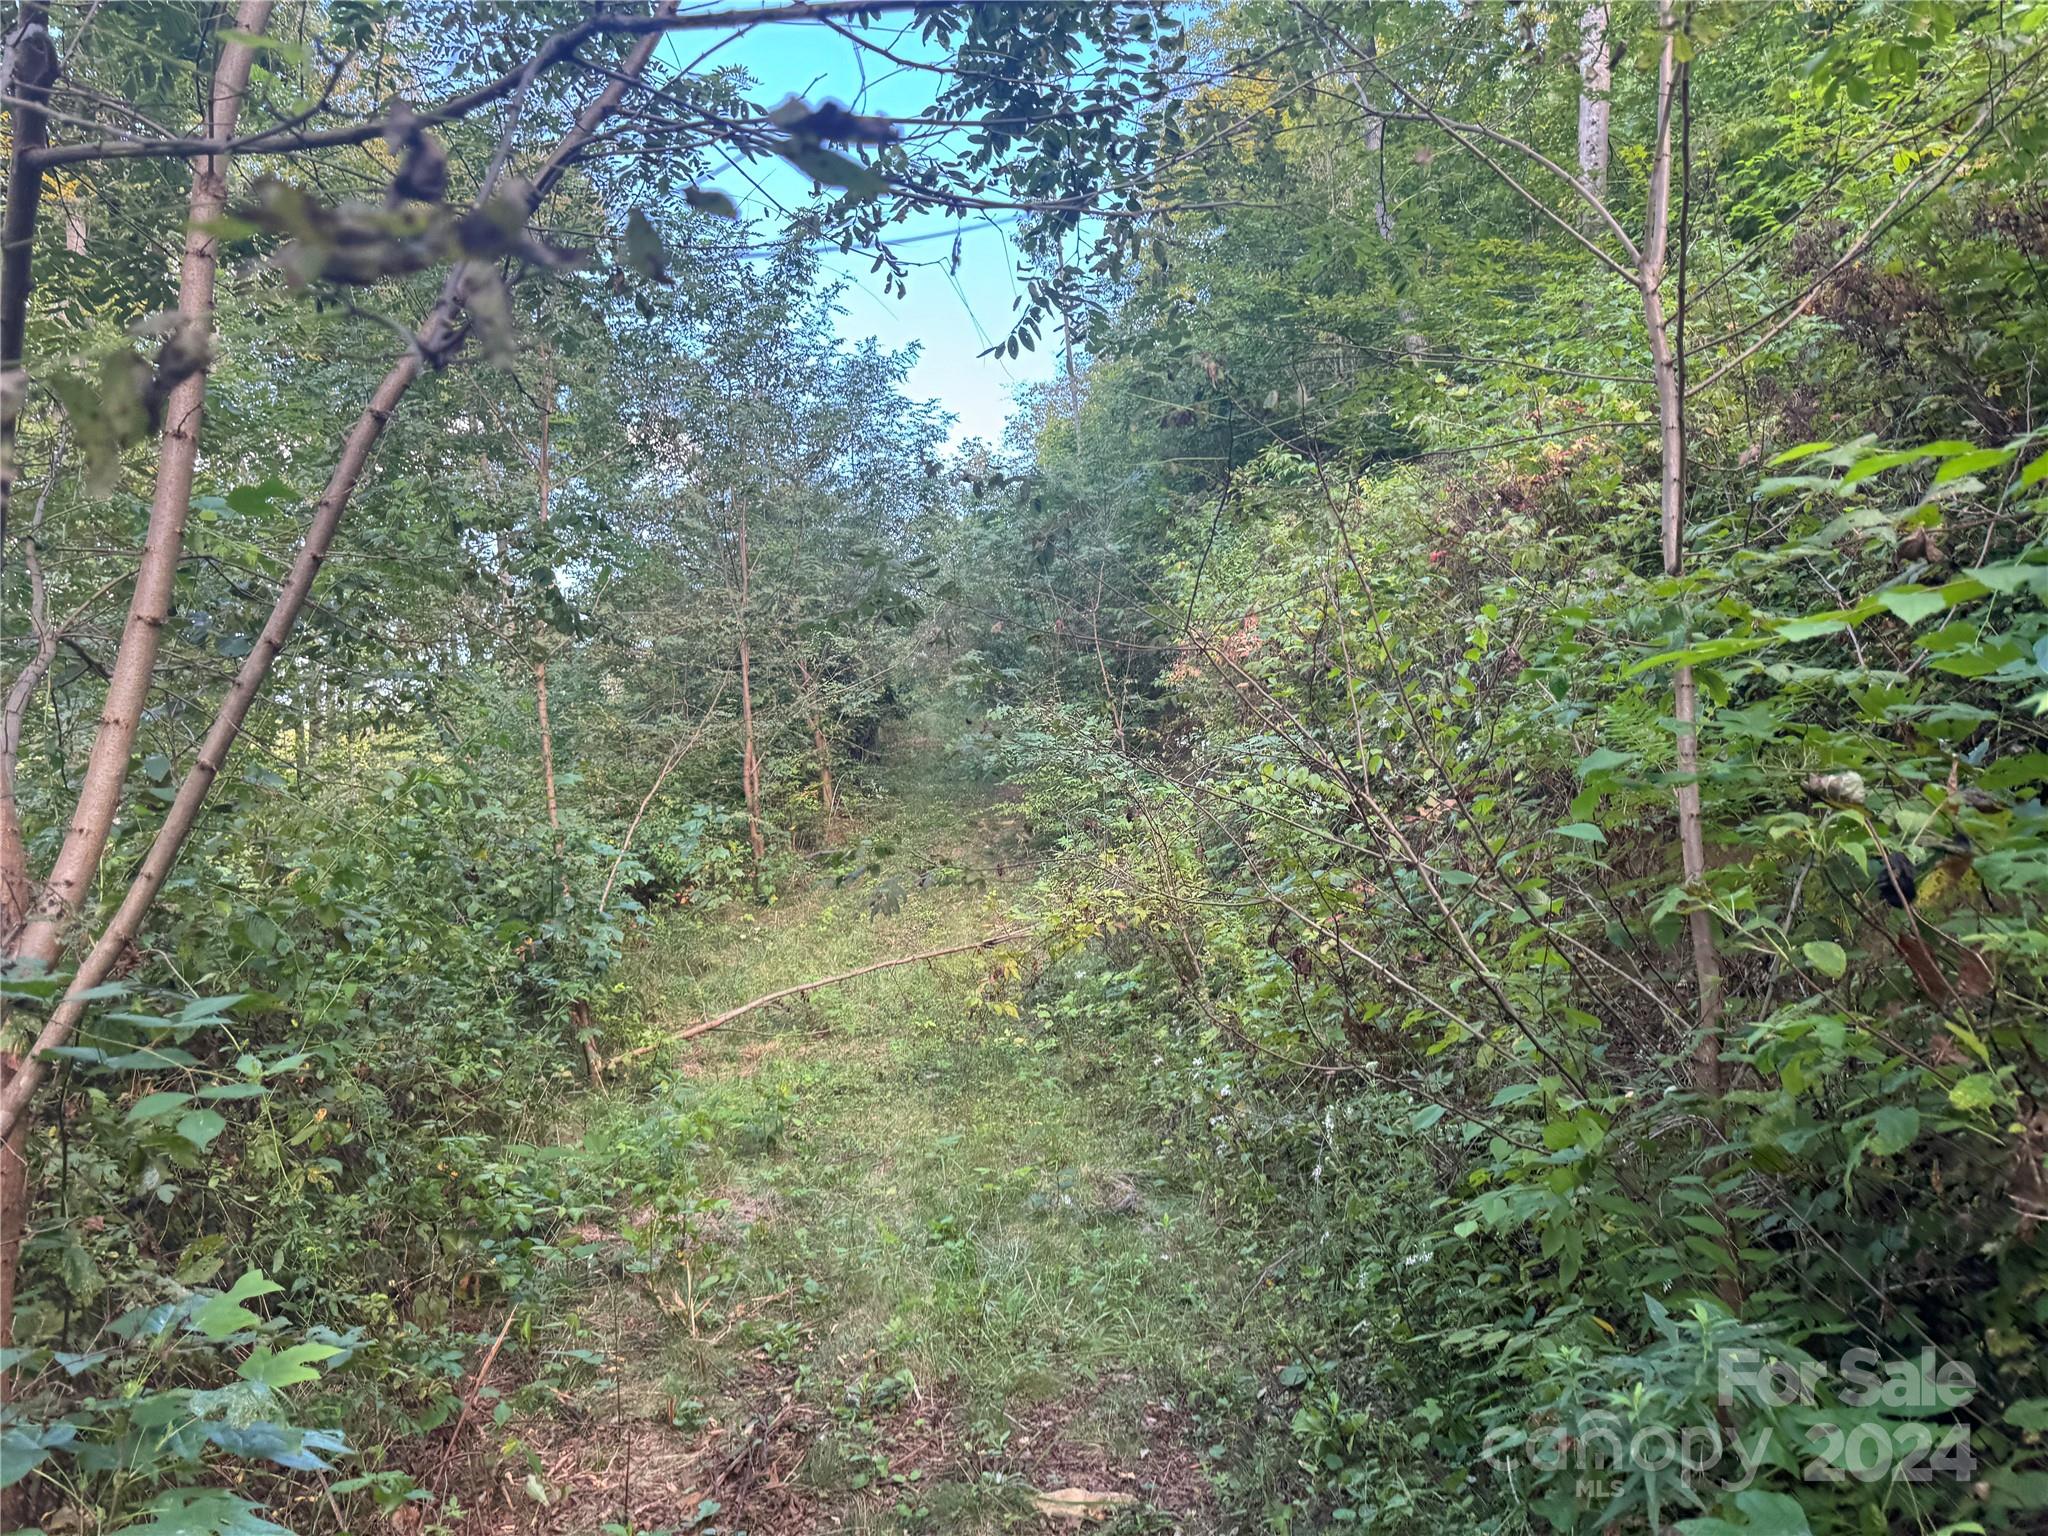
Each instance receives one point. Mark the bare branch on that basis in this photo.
(719, 1021)
(557, 49)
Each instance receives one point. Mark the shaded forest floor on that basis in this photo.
(927, 1268)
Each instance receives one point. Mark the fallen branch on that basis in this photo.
(469, 1398)
(801, 988)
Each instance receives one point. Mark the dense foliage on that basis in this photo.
(1341, 658)
(1520, 626)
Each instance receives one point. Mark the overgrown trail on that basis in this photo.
(927, 1270)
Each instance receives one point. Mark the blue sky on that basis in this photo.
(951, 317)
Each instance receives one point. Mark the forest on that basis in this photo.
(1414, 899)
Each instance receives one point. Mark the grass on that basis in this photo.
(930, 1261)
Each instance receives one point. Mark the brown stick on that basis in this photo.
(483, 1376)
(707, 1025)
(434, 338)
(676, 756)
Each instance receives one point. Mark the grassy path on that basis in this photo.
(930, 1271)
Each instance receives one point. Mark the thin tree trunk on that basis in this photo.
(106, 769)
(821, 745)
(41, 935)
(750, 761)
(17, 895)
(31, 68)
(543, 472)
(750, 756)
(1596, 83)
(1671, 507)
(579, 1008)
(1376, 146)
(17, 891)
(547, 748)
(1110, 697)
(827, 795)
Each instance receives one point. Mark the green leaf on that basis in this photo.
(234, 1091)
(260, 500)
(2010, 576)
(1912, 604)
(201, 1126)
(1603, 760)
(1763, 1514)
(1803, 451)
(224, 1314)
(1878, 463)
(2028, 1413)
(286, 1368)
(1825, 956)
(1711, 650)
(1988, 655)
(23, 1448)
(1893, 1129)
(1980, 1090)
(1970, 463)
(203, 1010)
(203, 1512)
(1813, 628)
(154, 1106)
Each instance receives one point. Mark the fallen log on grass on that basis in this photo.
(705, 1026)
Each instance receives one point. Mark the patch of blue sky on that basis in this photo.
(951, 315)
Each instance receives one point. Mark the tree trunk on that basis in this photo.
(750, 760)
(821, 745)
(547, 748)
(828, 797)
(1671, 508)
(544, 486)
(41, 936)
(17, 890)
(750, 756)
(579, 1008)
(32, 66)
(1596, 82)
(106, 770)
(1376, 146)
